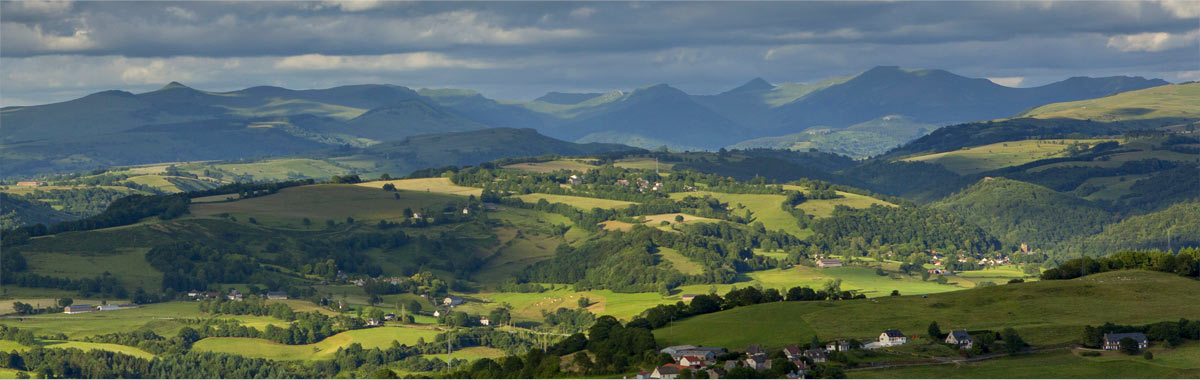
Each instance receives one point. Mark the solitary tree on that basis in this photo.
(584, 302)
(1129, 346)
(934, 331)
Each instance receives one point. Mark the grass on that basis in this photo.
(529, 306)
(857, 278)
(1116, 160)
(1157, 102)
(1043, 312)
(379, 337)
(439, 185)
(277, 169)
(681, 263)
(128, 265)
(642, 164)
(163, 318)
(1182, 362)
(821, 208)
(551, 166)
(764, 206)
(583, 203)
(516, 253)
(470, 354)
(999, 155)
(656, 221)
(89, 346)
(324, 202)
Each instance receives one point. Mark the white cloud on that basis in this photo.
(386, 62)
(1153, 42)
(1191, 75)
(1182, 8)
(354, 5)
(582, 13)
(1007, 81)
(181, 13)
(25, 34)
(45, 7)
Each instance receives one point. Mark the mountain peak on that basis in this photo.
(172, 85)
(754, 85)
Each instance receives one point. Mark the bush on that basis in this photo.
(1148, 355)
(1089, 353)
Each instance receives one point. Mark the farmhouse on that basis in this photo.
(452, 301)
(793, 353)
(840, 345)
(234, 295)
(892, 338)
(699, 353)
(437, 313)
(758, 362)
(1113, 341)
(960, 338)
(484, 321)
(666, 371)
(277, 295)
(816, 355)
(389, 317)
(828, 263)
(108, 308)
(693, 361)
(374, 322)
(76, 309)
(575, 180)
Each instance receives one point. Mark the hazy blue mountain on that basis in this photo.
(566, 98)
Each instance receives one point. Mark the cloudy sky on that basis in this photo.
(54, 51)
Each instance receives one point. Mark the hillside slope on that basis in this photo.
(1171, 101)
(1017, 212)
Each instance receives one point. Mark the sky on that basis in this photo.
(54, 51)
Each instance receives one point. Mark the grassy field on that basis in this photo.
(821, 208)
(584, 203)
(999, 155)
(1157, 102)
(529, 306)
(1044, 312)
(438, 185)
(470, 354)
(764, 206)
(163, 318)
(88, 346)
(551, 166)
(1181, 362)
(656, 221)
(681, 263)
(128, 265)
(277, 169)
(515, 254)
(379, 337)
(860, 279)
(642, 164)
(1115, 160)
(324, 202)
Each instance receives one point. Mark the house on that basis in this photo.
(437, 313)
(234, 295)
(755, 349)
(30, 183)
(277, 295)
(452, 301)
(360, 282)
(374, 322)
(960, 338)
(816, 355)
(828, 263)
(673, 350)
(623, 182)
(715, 372)
(466, 211)
(693, 361)
(389, 317)
(484, 321)
(1113, 341)
(666, 371)
(574, 180)
(643, 375)
(840, 345)
(76, 309)
(212, 295)
(108, 308)
(730, 365)
(758, 362)
(892, 338)
(688, 297)
(793, 353)
(194, 293)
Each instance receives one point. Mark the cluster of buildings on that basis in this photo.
(829, 263)
(233, 295)
(755, 356)
(641, 184)
(76, 309)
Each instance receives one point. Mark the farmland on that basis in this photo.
(325, 202)
(999, 155)
(551, 166)
(583, 203)
(379, 337)
(1178, 362)
(1044, 312)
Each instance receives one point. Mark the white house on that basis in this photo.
(892, 338)
(1113, 341)
(960, 338)
(452, 301)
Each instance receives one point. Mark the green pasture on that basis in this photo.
(765, 209)
(378, 337)
(325, 202)
(1171, 101)
(551, 166)
(679, 262)
(583, 203)
(642, 163)
(821, 208)
(129, 265)
(439, 185)
(999, 155)
(1043, 312)
(1181, 362)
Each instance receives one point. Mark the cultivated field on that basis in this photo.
(379, 337)
(551, 166)
(655, 221)
(642, 164)
(438, 185)
(584, 203)
(821, 208)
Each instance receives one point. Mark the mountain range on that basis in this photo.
(860, 115)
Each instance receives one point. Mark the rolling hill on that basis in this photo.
(1172, 101)
(1018, 212)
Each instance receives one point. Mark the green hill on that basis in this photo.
(1043, 312)
(1150, 231)
(16, 212)
(1170, 101)
(1017, 212)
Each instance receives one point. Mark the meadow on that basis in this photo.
(439, 185)
(765, 209)
(1181, 362)
(821, 208)
(378, 337)
(999, 155)
(583, 203)
(642, 163)
(552, 166)
(1043, 312)
(325, 202)
(1156, 102)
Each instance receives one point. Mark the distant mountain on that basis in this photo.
(567, 97)
(861, 115)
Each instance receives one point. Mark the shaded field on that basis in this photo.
(857, 278)
(440, 185)
(551, 166)
(1157, 102)
(276, 169)
(1043, 312)
(584, 203)
(529, 306)
(681, 263)
(378, 337)
(1181, 362)
(642, 164)
(999, 155)
(821, 208)
(128, 265)
(325, 202)
(163, 318)
(765, 209)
